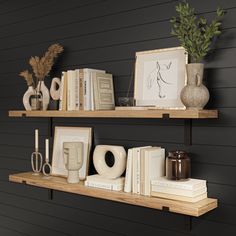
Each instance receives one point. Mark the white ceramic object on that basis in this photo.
(45, 94)
(73, 158)
(101, 166)
(54, 92)
(26, 98)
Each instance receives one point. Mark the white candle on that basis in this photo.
(47, 150)
(36, 139)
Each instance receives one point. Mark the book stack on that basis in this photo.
(97, 181)
(143, 165)
(191, 190)
(86, 89)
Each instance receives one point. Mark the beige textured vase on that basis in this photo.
(194, 95)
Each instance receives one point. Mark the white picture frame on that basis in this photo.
(70, 134)
(160, 76)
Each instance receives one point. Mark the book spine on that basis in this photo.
(128, 175)
(61, 92)
(134, 171)
(77, 90)
(114, 187)
(178, 186)
(138, 173)
(179, 192)
(81, 89)
(64, 95)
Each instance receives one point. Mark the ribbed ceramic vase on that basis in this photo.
(195, 94)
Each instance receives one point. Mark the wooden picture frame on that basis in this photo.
(70, 134)
(160, 76)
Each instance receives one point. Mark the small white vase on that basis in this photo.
(26, 98)
(45, 94)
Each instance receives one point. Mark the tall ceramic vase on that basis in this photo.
(45, 94)
(26, 98)
(195, 95)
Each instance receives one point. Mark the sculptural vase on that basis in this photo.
(195, 95)
(42, 89)
(26, 98)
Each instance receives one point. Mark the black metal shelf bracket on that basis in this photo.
(50, 194)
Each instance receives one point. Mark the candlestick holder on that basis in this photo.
(36, 162)
(47, 168)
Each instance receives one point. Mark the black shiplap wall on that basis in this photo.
(106, 34)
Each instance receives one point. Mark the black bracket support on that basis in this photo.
(188, 132)
(166, 116)
(50, 127)
(50, 194)
(164, 208)
(188, 223)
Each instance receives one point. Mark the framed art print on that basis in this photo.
(70, 134)
(160, 76)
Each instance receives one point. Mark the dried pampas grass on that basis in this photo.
(28, 77)
(41, 66)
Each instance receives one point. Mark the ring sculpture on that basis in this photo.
(101, 166)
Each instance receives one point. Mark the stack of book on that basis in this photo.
(143, 165)
(97, 181)
(191, 190)
(86, 89)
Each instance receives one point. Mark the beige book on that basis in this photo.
(103, 91)
(64, 95)
(179, 198)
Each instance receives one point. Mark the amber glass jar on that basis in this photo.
(178, 166)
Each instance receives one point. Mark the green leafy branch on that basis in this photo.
(195, 34)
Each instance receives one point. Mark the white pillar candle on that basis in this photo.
(36, 139)
(47, 150)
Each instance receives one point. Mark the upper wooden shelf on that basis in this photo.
(155, 113)
(60, 184)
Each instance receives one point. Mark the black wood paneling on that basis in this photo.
(105, 34)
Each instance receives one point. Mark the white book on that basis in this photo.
(179, 198)
(77, 90)
(189, 184)
(71, 76)
(136, 185)
(128, 175)
(180, 192)
(88, 87)
(98, 178)
(104, 186)
(154, 167)
(98, 181)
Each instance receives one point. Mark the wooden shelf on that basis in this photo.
(60, 184)
(155, 113)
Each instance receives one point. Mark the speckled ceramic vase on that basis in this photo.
(195, 95)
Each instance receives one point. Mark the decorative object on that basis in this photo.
(55, 88)
(70, 134)
(101, 166)
(196, 36)
(195, 94)
(26, 98)
(126, 101)
(36, 156)
(36, 102)
(41, 68)
(73, 157)
(47, 168)
(159, 77)
(178, 166)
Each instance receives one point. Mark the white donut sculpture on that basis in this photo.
(119, 161)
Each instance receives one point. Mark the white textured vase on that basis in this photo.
(26, 98)
(45, 94)
(195, 94)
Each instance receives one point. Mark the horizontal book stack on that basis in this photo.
(191, 190)
(86, 89)
(97, 181)
(143, 165)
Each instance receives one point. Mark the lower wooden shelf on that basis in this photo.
(60, 184)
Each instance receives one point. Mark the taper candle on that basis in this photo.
(47, 150)
(36, 139)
